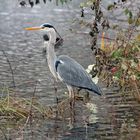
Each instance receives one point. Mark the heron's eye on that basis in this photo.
(43, 27)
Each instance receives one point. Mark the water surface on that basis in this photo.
(98, 119)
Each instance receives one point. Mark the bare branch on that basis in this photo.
(11, 69)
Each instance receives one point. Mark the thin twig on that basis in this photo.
(29, 118)
(107, 38)
(30, 114)
(11, 69)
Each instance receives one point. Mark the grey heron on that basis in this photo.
(63, 67)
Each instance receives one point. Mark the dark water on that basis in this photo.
(100, 119)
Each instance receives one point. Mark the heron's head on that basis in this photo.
(47, 27)
(44, 27)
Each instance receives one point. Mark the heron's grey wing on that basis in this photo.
(72, 73)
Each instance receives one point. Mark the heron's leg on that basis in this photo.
(71, 95)
(55, 90)
(72, 103)
(71, 91)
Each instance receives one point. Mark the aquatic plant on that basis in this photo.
(117, 59)
(14, 107)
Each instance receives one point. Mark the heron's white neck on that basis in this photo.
(51, 55)
(52, 36)
(50, 48)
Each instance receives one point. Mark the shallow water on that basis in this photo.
(100, 118)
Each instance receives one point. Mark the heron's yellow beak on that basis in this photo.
(33, 28)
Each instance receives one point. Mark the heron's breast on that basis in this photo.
(59, 77)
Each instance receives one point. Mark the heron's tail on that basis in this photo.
(96, 89)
